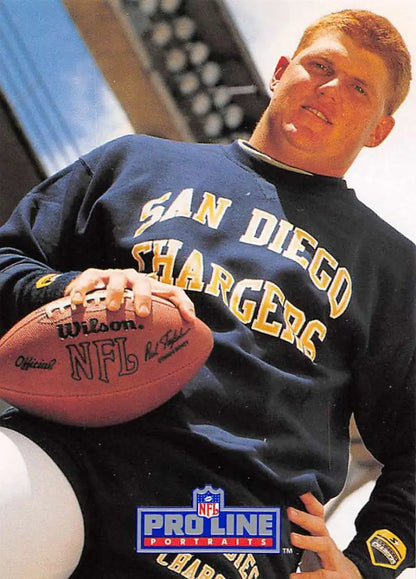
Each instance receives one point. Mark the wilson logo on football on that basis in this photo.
(94, 326)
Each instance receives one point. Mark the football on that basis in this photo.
(88, 366)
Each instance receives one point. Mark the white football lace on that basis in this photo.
(94, 297)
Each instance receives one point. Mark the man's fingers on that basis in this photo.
(142, 295)
(178, 297)
(324, 547)
(313, 520)
(87, 281)
(115, 281)
(84, 283)
(311, 523)
(334, 563)
(312, 505)
(318, 545)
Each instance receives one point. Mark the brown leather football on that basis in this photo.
(88, 366)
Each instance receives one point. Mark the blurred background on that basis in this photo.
(75, 74)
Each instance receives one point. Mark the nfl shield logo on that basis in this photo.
(208, 501)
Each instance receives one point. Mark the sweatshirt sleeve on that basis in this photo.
(384, 407)
(35, 264)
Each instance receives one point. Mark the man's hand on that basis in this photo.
(115, 281)
(334, 564)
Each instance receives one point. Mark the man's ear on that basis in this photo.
(281, 66)
(382, 130)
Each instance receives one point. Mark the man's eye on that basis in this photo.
(322, 67)
(360, 89)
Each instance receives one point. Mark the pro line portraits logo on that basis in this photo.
(209, 526)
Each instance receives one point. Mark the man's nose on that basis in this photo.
(330, 88)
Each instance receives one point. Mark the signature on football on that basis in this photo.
(166, 344)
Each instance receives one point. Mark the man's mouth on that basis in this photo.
(317, 113)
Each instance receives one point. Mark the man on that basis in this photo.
(310, 297)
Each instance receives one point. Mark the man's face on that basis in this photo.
(328, 103)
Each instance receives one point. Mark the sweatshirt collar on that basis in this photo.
(246, 146)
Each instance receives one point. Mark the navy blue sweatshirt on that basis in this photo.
(310, 295)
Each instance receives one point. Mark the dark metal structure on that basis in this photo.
(179, 68)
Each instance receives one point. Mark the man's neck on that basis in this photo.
(304, 161)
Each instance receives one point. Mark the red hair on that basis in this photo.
(376, 34)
